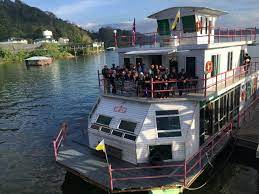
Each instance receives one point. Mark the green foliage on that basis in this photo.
(51, 50)
(7, 56)
(23, 21)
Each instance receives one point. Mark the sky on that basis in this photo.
(92, 14)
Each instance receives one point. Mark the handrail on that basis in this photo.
(60, 137)
(199, 85)
(220, 35)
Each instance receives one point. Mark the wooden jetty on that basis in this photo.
(38, 61)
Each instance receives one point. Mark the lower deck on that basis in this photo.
(75, 156)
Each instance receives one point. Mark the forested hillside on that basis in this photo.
(20, 20)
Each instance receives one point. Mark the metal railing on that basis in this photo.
(182, 173)
(154, 39)
(60, 137)
(202, 86)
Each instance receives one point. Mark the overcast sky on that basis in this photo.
(93, 13)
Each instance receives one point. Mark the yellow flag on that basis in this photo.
(176, 20)
(101, 146)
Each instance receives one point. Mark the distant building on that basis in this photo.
(98, 45)
(45, 40)
(63, 40)
(47, 34)
(14, 40)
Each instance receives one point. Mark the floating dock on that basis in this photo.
(38, 61)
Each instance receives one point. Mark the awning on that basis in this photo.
(155, 52)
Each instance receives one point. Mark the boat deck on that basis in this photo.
(75, 156)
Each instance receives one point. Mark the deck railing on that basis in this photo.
(60, 137)
(184, 173)
(201, 86)
(153, 39)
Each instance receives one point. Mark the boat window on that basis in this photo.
(168, 123)
(163, 27)
(128, 126)
(130, 137)
(242, 55)
(93, 126)
(189, 24)
(104, 120)
(106, 130)
(230, 60)
(206, 25)
(167, 112)
(159, 153)
(117, 133)
(170, 134)
(216, 65)
(201, 21)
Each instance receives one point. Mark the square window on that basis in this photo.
(104, 120)
(117, 133)
(130, 137)
(128, 126)
(168, 123)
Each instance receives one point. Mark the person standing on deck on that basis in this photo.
(247, 61)
(181, 80)
(173, 76)
(106, 79)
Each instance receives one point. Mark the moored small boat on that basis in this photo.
(38, 61)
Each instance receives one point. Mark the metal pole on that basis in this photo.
(152, 88)
(99, 81)
(205, 85)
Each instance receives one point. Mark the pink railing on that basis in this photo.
(200, 85)
(220, 35)
(60, 137)
(185, 172)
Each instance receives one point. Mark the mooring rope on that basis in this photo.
(216, 172)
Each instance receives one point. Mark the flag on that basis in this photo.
(134, 33)
(176, 20)
(101, 146)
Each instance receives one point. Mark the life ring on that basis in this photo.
(198, 25)
(209, 67)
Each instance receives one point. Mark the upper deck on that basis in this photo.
(178, 26)
(154, 40)
(150, 89)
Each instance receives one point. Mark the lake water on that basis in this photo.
(34, 102)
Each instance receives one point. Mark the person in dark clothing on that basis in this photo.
(106, 79)
(247, 61)
(173, 76)
(181, 80)
(113, 67)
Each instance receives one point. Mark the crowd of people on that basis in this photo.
(165, 82)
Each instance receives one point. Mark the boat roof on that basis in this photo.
(35, 58)
(154, 52)
(202, 10)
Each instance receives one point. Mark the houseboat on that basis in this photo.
(38, 61)
(163, 144)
